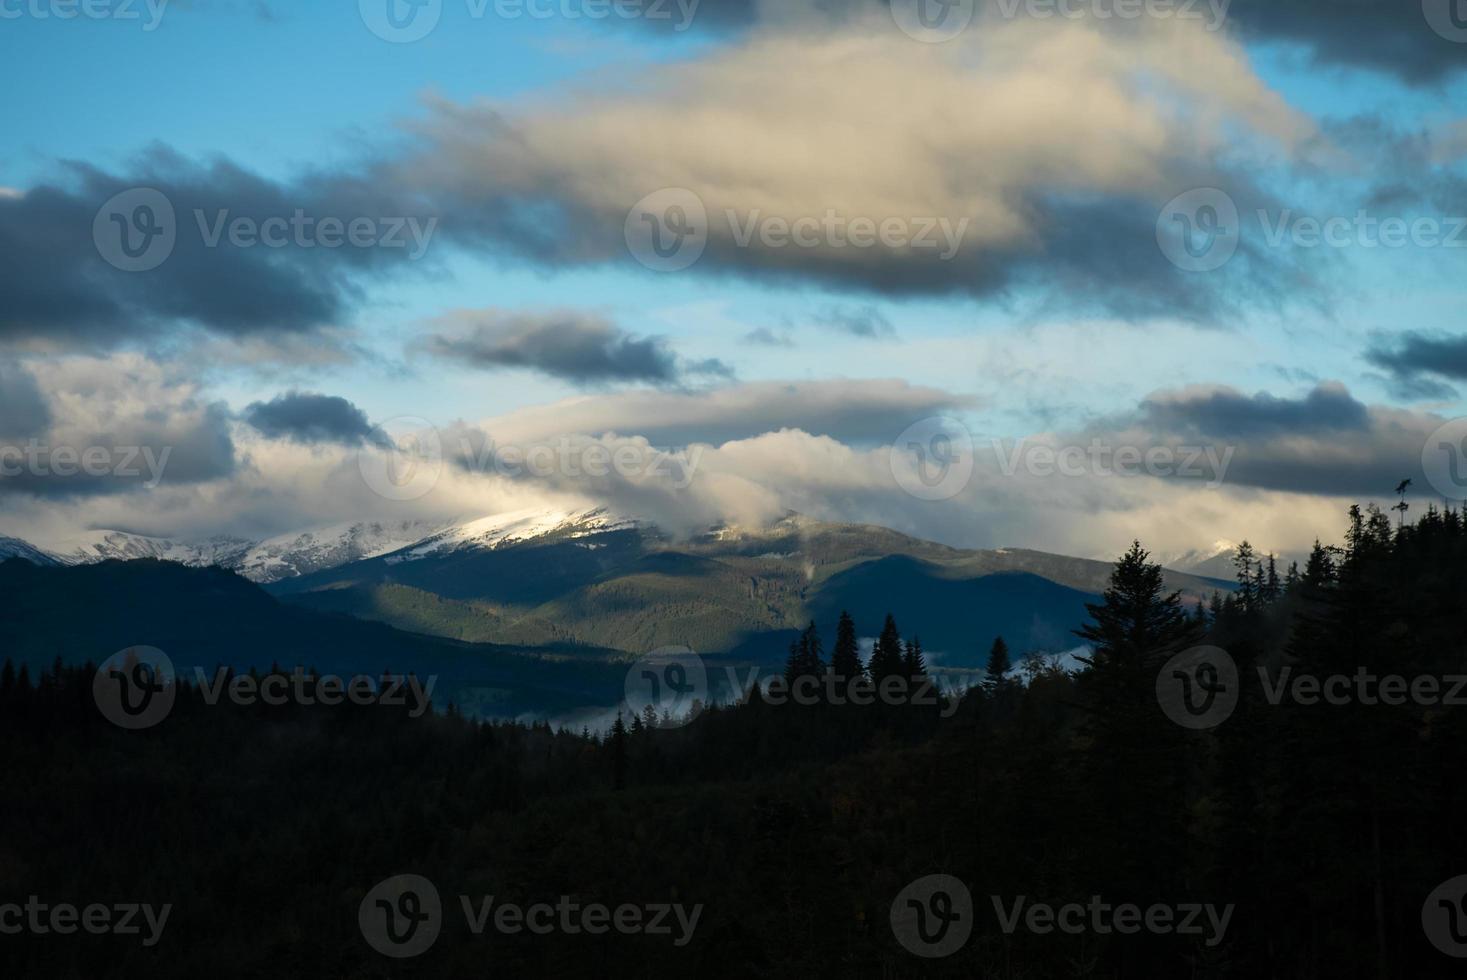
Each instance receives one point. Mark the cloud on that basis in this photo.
(1391, 36)
(1385, 35)
(875, 128)
(1418, 361)
(1324, 443)
(863, 321)
(294, 276)
(119, 426)
(310, 419)
(764, 337)
(23, 409)
(578, 347)
(1226, 413)
(864, 411)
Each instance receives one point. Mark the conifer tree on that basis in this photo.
(914, 664)
(845, 658)
(996, 677)
(886, 658)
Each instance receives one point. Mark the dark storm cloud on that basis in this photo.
(1394, 36)
(23, 409)
(1417, 362)
(1324, 442)
(1226, 413)
(310, 418)
(60, 286)
(578, 347)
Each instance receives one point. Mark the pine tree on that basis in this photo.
(914, 665)
(996, 678)
(886, 658)
(1247, 586)
(845, 659)
(1271, 587)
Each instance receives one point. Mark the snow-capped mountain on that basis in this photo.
(318, 549)
(303, 552)
(1213, 562)
(101, 545)
(517, 527)
(16, 548)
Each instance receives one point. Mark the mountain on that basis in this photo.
(1213, 562)
(594, 578)
(16, 548)
(210, 617)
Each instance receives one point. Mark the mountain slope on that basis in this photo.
(209, 617)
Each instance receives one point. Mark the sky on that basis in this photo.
(1038, 273)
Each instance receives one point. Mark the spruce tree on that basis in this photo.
(996, 678)
(845, 659)
(886, 658)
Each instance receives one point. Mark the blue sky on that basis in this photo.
(1064, 319)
